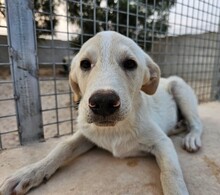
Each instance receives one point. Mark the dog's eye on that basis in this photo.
(129, 64)
(85, 65)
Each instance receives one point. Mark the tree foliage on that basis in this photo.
(2, 8)
(140, 20)
(45, 17)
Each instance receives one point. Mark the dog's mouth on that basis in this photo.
(105, 123)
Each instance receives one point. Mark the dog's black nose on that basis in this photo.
(104, 102)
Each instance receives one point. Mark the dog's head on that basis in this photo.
(107, 75)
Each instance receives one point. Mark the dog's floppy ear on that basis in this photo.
(151, 78)
(74, 84)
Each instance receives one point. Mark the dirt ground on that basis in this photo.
(55, 108)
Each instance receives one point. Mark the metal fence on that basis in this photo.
(40, 38)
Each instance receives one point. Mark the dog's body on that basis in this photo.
(124, 139)
(121, 111)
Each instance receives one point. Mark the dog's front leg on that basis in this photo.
(171, 174)
(156, 142)
(33, 175)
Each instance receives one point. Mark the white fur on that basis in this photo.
(141, 125)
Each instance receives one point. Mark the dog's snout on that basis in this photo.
(104, 102)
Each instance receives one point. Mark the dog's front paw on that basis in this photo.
(14, 185)
(173, 184)
(21, 181)
(192, 142)
(18, 183)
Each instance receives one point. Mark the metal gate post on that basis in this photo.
(23, 56)
(215, 88)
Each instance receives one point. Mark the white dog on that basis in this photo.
(125, 108)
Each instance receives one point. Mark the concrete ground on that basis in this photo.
(98, 173)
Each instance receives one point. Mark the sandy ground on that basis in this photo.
(55, 108)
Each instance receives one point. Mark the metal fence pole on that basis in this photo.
(215, 90)
(22, 49)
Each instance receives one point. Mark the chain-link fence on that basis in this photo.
(39, 38)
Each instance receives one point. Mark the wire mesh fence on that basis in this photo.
(182, 37)
(9, 134)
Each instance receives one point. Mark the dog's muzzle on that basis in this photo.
(104, 102)
(104, 105)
